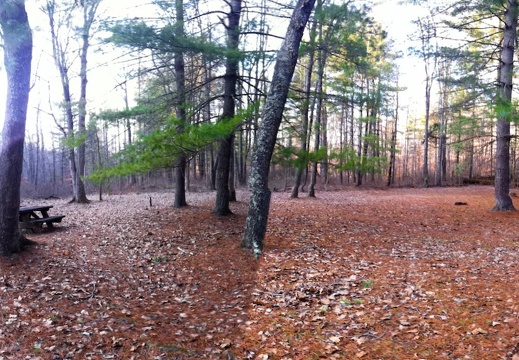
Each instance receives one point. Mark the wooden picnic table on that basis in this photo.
(32, 217)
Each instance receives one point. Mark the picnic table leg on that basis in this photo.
(46, 215)
(25, 222)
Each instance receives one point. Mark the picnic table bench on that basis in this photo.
(30, 219)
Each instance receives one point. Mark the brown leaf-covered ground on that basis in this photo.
(355, 274)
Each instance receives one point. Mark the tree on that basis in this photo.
(89, 8)
(392, 144)
(441, 160)
(306, 106)
(259, 204)
(17, 47)
(334, 17)
(470, 87)
(180, 79)
(427, 28)
(161, 99)
(60, 19)
(223, 195)
(505, 109)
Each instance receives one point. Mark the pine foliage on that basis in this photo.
(162, 147)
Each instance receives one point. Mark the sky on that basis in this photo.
(395, 18)
(104, 73)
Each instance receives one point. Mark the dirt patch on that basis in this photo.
(358, 274)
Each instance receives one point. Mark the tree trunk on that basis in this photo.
(257, 217)
(392, 156)
(324, 136)
(17, 46)
(232, 173)
(358, 170)
(321, 61)
(62, 66)
(427, 32)
(180, 80)
(89, 11)
(241, 160)
(223, 195)
(213, 164)
(223, 167)
(441, 160)
(306, 108)
(319, 117)
(180, 184)
(504, 99)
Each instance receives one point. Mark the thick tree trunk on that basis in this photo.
(504, 98)
(257, 217)
(180, 184)
(17, 46)
(223, 195)
(223, 167)
(180, 80)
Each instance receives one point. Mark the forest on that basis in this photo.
(253, 179)
(343, 122)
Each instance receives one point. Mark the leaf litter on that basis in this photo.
(363, 273)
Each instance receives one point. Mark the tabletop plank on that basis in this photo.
(35, 208)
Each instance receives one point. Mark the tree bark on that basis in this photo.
(504, 99)
(89, 12)
(17, 46)
(60, 60)
(358, 170)
(441, 161)
(232, 173)
(306, 108)
(427, 31)
(321, 61)
(392, 156)
(223, 194)
(257, 217)
(180, 80)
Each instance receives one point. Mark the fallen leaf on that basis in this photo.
(361, 340)
(225, 344)
(479, 331)
(335, 339)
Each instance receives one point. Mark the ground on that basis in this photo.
(355, 274)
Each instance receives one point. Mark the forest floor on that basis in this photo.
(355, 274)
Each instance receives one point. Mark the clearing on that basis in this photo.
(355, 274)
